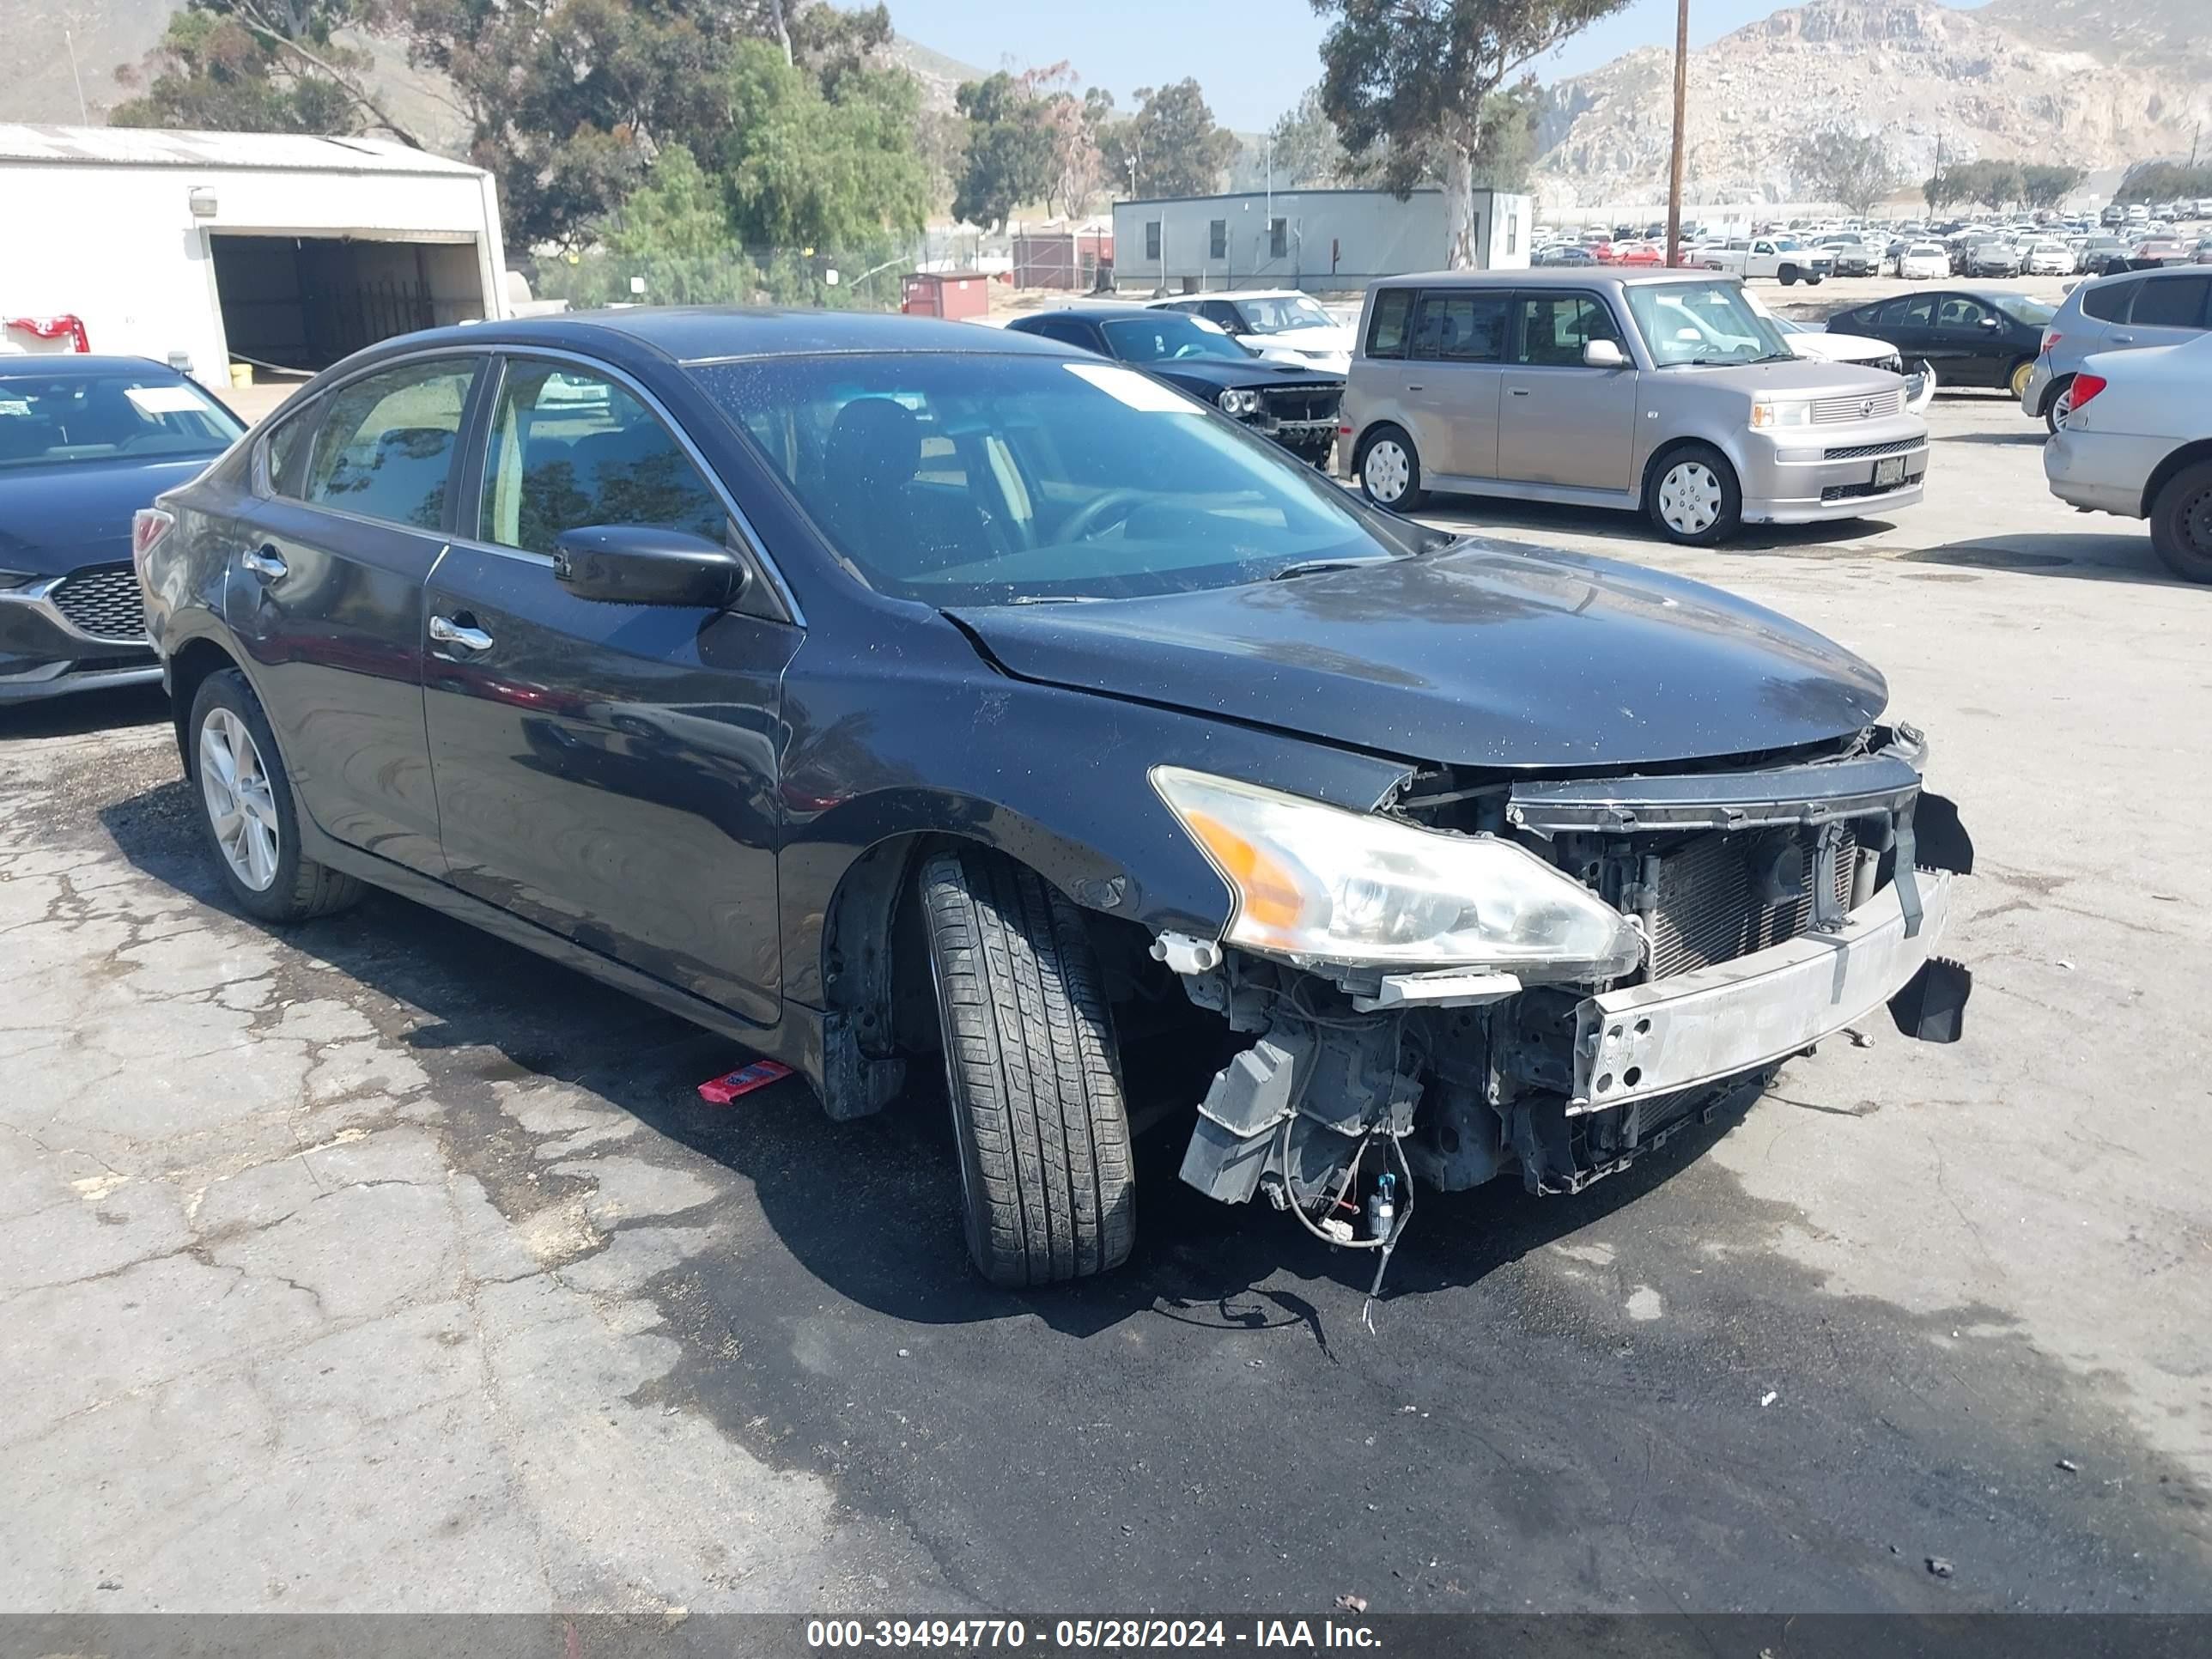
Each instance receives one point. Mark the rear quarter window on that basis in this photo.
(2170, 301)
(2108, 303)
(1390, 326)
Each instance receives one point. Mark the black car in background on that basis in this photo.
(84, 442)
(902, 699)
(1296, 407)
(1971, 336)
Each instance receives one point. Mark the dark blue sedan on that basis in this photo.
(84, 443)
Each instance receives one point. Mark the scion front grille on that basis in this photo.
(1867, 451)
(103, 600)
(1711, 909)
(1869, 406)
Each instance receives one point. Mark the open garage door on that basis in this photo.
(302, 303)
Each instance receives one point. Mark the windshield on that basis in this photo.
(1786, 245)
(1168, 334)
(1926, 249)
(46, 418)
(1277, 316)
(975, 478)
(1702, 323)
(2033, 312)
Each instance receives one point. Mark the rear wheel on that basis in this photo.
(2181, 522)
(246, 810)
(1030, 1063)
(2017, 380)
(1692, 496)
(1389, 471)
(2059, 403)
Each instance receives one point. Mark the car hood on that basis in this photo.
(53, 519)
(1305, 342)
(1218, 373)
(1840, 348)
(1485, 655)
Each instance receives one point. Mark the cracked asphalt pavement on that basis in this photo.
(379, 1265)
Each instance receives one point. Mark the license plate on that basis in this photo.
(1889, 471)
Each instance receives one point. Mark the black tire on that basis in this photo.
(299, 889)
(1729, 517)
(1410, 498)
(2061, 388)
(1031, 1066)
(2181, 522)
(1787, 275)
(1814, 279)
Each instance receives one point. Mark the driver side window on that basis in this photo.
(570, 449)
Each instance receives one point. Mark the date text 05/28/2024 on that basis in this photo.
(1296, 1634)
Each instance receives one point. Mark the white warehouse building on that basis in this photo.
(1321, 240)
(207, 249)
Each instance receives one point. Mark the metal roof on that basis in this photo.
(158, 146)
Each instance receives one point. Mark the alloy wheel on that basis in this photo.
(1386, 470)
(240, 804)
(1690, 498)
(2061, 407)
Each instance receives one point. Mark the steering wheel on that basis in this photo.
(1090, 519)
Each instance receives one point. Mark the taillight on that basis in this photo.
(149, 525)
(2051, 337)
(2085, 388)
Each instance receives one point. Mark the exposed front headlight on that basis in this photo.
(1234, 402)
(1767, 412)
(1316, 882)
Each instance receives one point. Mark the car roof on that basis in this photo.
(1103, 309)
(1231, 293)
(1554, 278)
(68, 365)
(700, 334)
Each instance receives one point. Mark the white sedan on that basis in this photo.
(1283, 324)
(2138, 442)
(1819, 346)
(1925, 261)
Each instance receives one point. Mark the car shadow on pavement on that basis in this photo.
(2028, 437)
(870, 1209)
(2089, 555)
(82, 713)
(1508, 520)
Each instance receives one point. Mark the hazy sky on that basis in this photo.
(1252, 57)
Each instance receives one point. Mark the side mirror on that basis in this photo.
(1989, 322)
(628, 564)
(1602, 353)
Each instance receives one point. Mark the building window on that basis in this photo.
(1279, 238)
(1512, 232)
(1217, 239)
(1152, 239)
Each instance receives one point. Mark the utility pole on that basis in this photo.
(1675, 160)
(1271, 175)
(84, 114)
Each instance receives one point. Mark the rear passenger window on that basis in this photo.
(570, 449)
(1459, 326)
(386, 447)
(1388, 329)
(2171, 303)
(2108, 301)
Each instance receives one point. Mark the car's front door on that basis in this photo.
(329, 606)
(1561, 422)
(1967, 342)
(606, 771)
(1453, 378)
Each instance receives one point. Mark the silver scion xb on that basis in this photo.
(1660, 392)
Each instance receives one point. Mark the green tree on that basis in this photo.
(1986, 183)
(1410, 79)
(1178, 148)
(1306, 150)
(2159, 181)
(803, 170)
(253, 66)
(1856, 169)
(674, 234)
(1011, 148)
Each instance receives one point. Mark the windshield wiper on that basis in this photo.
(1053, 599)
(1322, 567)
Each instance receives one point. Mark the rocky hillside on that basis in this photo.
(2058, 79)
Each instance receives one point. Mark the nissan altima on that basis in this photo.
(899, 699)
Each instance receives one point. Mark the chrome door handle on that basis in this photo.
(2123, 339)
(263, 563)
(444, 630)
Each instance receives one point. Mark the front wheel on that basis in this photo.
(1787, 275)
(2181, 522)
(1692, 496)
(1031, 1064)
(1390, 470)
(246, 810)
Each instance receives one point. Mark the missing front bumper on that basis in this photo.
(1714, 1022)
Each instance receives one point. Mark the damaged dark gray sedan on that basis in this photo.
(891, 696)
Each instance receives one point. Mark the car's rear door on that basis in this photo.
(329, 602)
(1454, 377)
(2168, 308)
(607, 771)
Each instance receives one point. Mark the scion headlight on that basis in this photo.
(1316, 881)
(1766, 412)
(1234, 402)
